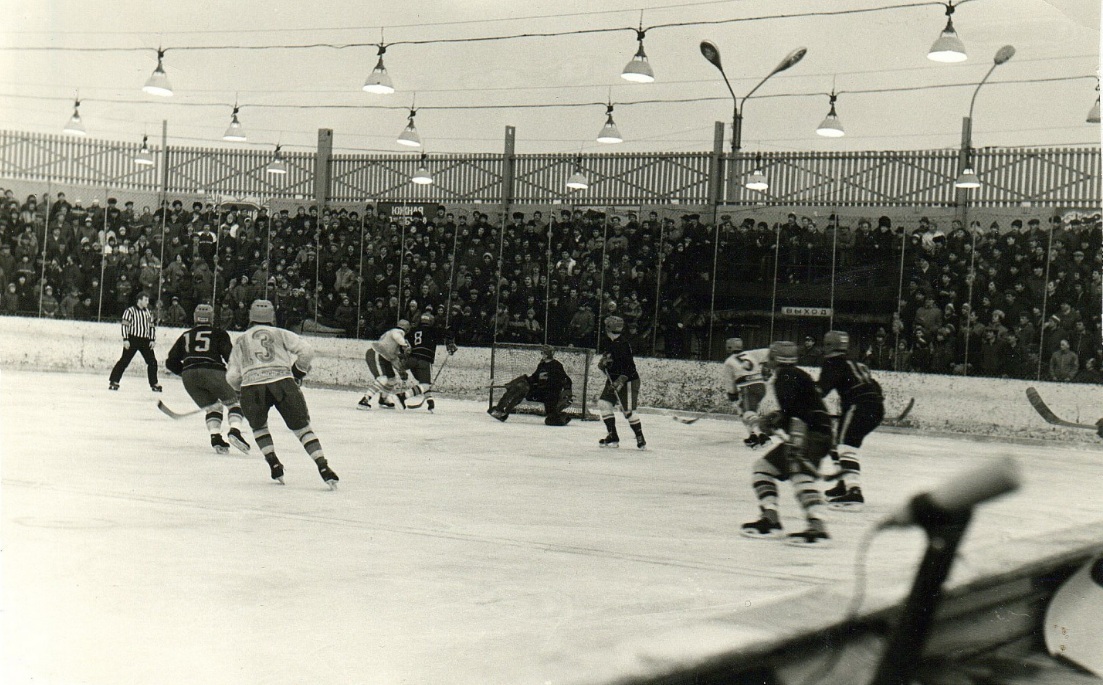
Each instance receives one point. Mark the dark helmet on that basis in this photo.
(427, 318)
(783, 352)
(836, 343)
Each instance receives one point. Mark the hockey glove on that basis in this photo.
(452, 348)
(298, 373)
(772, 422)
(604, 362)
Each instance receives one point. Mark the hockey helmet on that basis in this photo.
(733, 345)
(614, 324)
(204, 313)
(547, 352)
(836, 343)
(783, 352)
(427, 318)
(262, 311)
(404, 325)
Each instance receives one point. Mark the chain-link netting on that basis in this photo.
(1000, 292)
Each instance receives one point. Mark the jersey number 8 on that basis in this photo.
(417, 338)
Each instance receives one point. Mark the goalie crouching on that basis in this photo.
(549, 384)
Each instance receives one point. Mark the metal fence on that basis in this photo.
(1010, 177)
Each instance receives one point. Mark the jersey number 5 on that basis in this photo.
(264, 339)
(747, 364)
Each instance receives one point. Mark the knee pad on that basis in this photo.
(605, 407)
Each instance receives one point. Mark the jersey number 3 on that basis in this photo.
(264, 339)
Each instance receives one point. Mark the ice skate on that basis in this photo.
(498, 414)
(430, 405)
(113, 386)
(277, 469)
(401, 397)
(364, 403)
(851, 500)
(238, 440)
(814, 536)
(384, 403)
(763, 440)
(327, 473)
(611, 440)
(837, 490)
(764, 527)
(640, 442)
(752, 441)
(155, 388)
(220, 446)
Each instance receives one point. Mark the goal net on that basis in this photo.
(510, 360)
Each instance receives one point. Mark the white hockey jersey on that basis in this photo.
(745, 368)
(391, 345)
(264, 354)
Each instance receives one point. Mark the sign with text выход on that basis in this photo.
(806, 311)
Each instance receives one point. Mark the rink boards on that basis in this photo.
(458, 549)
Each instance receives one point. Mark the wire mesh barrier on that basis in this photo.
(1014, 292)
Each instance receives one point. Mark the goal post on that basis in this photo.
(510, 360)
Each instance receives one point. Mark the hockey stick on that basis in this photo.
(1047, 414)
(693, 419)
(442, 365)
(176, 415)
(907, 410)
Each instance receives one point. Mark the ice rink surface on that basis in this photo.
(457, 549)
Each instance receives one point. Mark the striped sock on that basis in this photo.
(310, 442)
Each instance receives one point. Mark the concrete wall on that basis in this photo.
(982, 407)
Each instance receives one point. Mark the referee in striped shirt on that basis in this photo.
(139, 334)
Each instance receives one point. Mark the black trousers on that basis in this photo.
(136, 345)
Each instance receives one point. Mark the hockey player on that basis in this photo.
(622, 383)
(746, 386)
(862, 410)
(804, 424)
(549, 384)
(266, 367)
(423, 353)
(386, 360)
(199, 356)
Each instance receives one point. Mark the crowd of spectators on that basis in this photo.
(973, 299)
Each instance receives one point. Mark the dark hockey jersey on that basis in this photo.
(851, 379)
(798, 397)
(201, 347)
(621, 362)
(425, 339)
(550, 374)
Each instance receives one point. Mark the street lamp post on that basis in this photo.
(712, 54)
(967, 178)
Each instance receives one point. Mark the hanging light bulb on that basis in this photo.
(638, 69)
(158, 83)
(968, 178)
(609, 133)
(578, 180)
(144, 156)
(831, 127)
(75, 127)
(379, 81)
(757, 180)
(409, 134)
(1093, 114)
(948, 47)
(277, 165)
(235, 133)
(422, 176)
